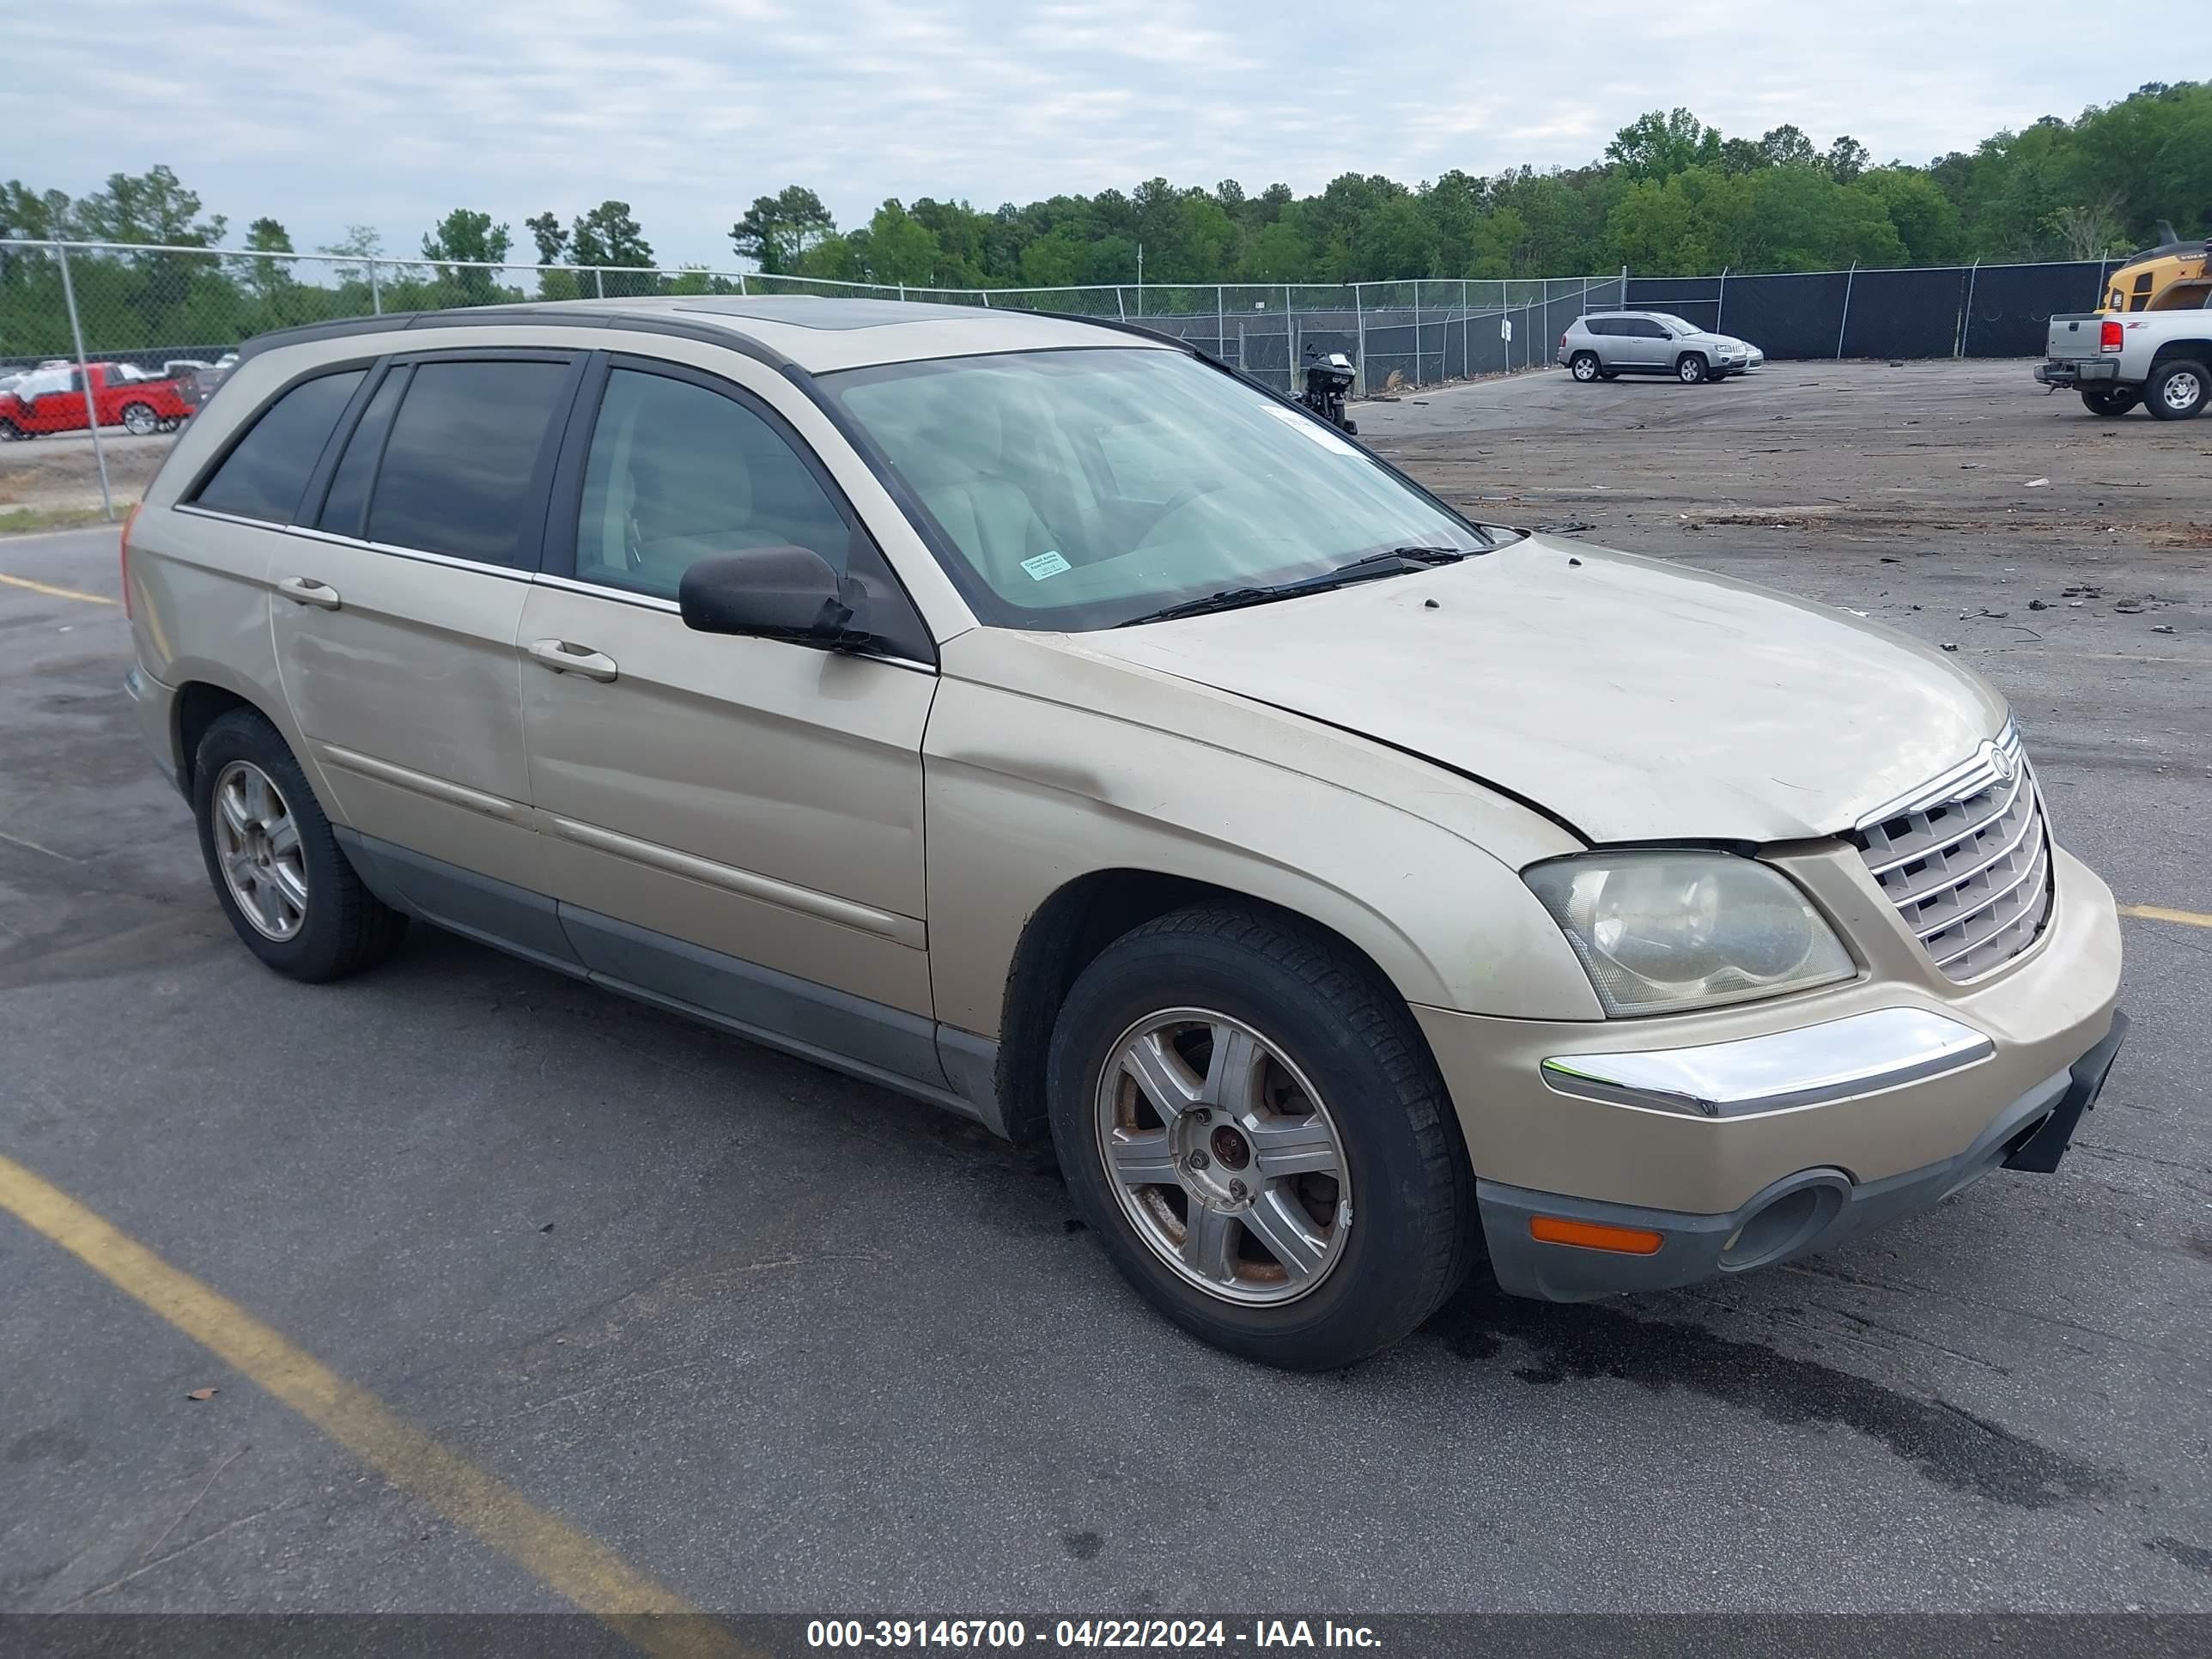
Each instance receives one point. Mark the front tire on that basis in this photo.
(2109, 403)
(1690, 368)
(2177, 389)
(1584, 366)
(1229, 1093)
(140, 421)
(291, 894)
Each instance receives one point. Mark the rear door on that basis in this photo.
(732, 822)
(395, 608)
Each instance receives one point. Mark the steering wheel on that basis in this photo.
(1174, 504)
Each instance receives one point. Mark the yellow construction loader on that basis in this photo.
(2175, 276)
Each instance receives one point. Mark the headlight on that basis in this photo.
(1658, 932)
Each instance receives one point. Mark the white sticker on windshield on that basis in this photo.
(1045, 564)
(1312, 430)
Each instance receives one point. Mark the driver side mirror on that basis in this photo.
(774, 594)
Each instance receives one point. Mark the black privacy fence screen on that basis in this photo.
(174, 310)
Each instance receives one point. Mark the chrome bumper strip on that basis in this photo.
(1781, 1071)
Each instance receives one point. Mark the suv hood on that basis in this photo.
(1635, 700)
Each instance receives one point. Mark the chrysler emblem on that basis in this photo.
(2001, 763)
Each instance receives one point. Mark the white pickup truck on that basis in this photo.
(2161, 358)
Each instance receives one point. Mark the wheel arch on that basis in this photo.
(1070, 930)
(2195, 350)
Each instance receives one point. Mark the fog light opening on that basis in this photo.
(1782, 1227)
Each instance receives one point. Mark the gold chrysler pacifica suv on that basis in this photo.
(1035, 716)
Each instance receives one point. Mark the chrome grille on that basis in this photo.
(1966, 860)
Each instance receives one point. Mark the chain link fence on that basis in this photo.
(82, 318)
(152, 307)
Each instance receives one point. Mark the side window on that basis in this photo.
(464, 448)
(1606, 325)
(266, 472)
(677, 472)
(345, 508)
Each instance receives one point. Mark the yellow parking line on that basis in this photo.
(2164, 913)
(649, 1615)
(52, 591)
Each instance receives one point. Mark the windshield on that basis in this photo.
(1673, 323)
(1079, 489)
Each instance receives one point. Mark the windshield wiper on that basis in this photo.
(1391, 562)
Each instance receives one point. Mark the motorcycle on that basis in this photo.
(1327, 385)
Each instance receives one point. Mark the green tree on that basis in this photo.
(550, 237)
(777, 230)
(153, 206)
(1656, 146)
(608, 235)
(1928, 225)
(901, 248)
(465, 241)
(268, 279)
(1786, 146)
(1053, 260)
(1277, 253)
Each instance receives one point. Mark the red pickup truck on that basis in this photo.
(52, 400)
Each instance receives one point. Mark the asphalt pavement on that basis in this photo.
(786, 1342)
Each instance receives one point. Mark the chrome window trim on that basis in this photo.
(1779, 1070)
(654, 602)
(309, 533)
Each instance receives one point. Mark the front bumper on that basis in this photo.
(2070, 372)
(1871, 1099)
(1811, 1210)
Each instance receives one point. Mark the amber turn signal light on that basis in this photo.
(1594, 1235)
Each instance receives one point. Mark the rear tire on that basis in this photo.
(2177, 389)
(291, 894)
(2109, 403)
(1690, 368)
(1584, 366)
(1337, 1085)
(140, 421)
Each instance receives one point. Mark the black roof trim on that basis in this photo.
(643, 322)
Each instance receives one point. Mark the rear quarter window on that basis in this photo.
(265, 473)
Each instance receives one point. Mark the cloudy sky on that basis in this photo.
(326, 112)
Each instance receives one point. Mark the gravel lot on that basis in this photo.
(61, 470)
(787, 1342)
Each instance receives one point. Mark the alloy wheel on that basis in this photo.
(2182, 390)
(1223, 1157)
(257, 844)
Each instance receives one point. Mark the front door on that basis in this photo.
(732, 824)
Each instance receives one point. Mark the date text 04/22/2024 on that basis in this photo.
(1005, 1635)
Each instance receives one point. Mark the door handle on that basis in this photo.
(306, 590)
(563, 657)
